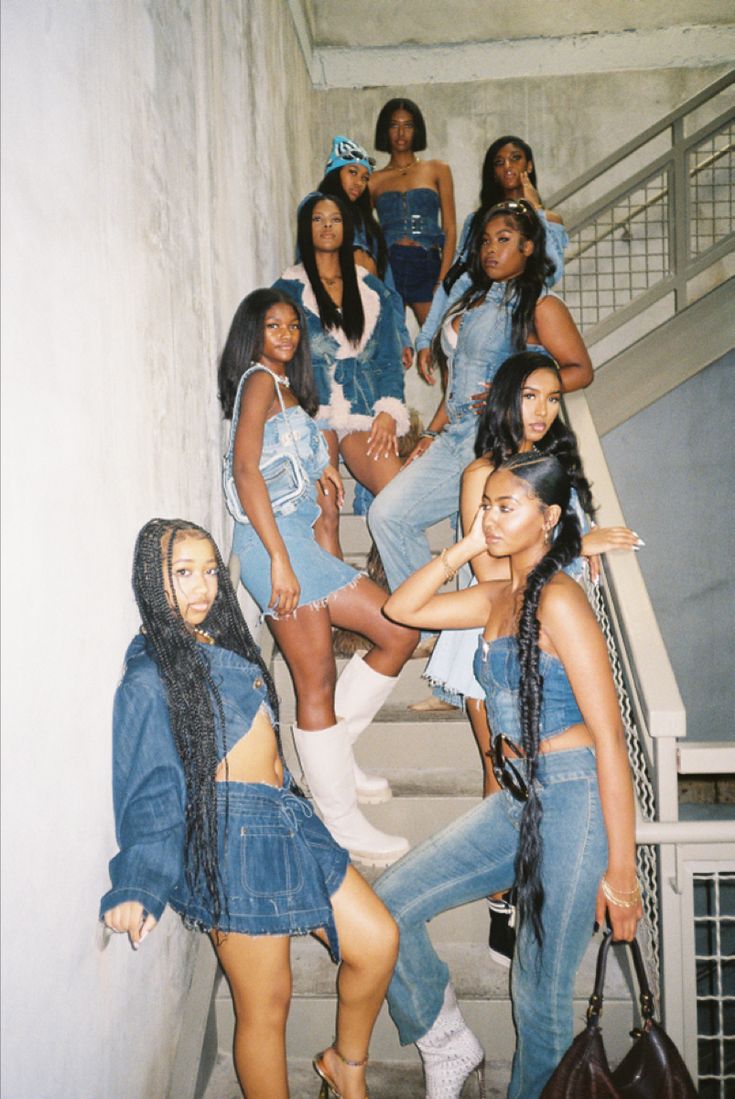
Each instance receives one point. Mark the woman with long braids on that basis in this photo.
(414, 199)
(508, 172)
(563, 823)
(355, 351)
(274, 461)
(208, 819)
(506, 308)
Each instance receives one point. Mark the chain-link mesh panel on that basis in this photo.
(648, 932)
(711, 171)
(714, 952)
(614, 259)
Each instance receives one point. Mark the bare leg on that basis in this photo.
(374, 474)
(420, 310)
(478, 721)
(305, 639)
(258, 970)
(359, 608)
(368, 939)
(326, 528)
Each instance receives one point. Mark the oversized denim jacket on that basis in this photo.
(149, 790)
(557, 239)
(354, 382)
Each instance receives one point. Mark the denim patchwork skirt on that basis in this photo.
(278, 864)
(318, 572)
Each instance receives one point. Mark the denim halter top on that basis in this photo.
(498, 672)
(410, 214)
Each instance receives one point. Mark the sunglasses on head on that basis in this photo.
(514, 206)
(507, 775)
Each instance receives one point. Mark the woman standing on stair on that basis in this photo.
(209, 821)
(562, 825)
(275, 458)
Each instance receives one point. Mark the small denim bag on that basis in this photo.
(283, 474)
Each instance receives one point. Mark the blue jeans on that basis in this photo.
(476, 856)
(421, 495)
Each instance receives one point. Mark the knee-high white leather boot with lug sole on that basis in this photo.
(328, 764)
(451, 1053)
(359, 694)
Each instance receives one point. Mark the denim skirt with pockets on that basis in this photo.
(279, 867)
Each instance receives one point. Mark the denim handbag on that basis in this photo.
(651, 1069)
(283, 474)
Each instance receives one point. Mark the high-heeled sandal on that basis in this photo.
(328, 1087)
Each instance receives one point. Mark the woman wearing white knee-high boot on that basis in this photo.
(275, 459)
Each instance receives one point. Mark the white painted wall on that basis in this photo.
(149, 177)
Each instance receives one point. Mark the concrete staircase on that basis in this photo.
(435, 773)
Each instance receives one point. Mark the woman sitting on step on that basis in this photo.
(275, 459)
(209, 821)
(563, 823)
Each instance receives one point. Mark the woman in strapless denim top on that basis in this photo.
(563, 822)
(409, 195)
(506, 308)
(209, 820)
(267, 389)
(508, 172)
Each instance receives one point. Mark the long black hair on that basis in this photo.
(548, 482)
(244, 346)
(382, 126)
(500, 427)
(524, 290)
(362, 211)
(350, 318)
(194, 702)
(491, 194)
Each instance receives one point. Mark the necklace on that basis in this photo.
(407, 167)
(331, 282)
(281, 379)
(202, 635)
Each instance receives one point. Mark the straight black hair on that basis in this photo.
(350, 318)
(362, 211)
(244, 346)
(382, 140)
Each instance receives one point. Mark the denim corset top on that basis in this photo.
(498, 672)
(410, 214)
(484, 342)
(292, 430)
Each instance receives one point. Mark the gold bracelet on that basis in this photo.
(449, 572)
(619, 901)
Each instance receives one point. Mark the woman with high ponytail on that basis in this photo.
(562, 824)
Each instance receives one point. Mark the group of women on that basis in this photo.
(209, 819)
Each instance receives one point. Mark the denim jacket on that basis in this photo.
(412, 214)
(354, 381)
(557, 240)
(149, 790)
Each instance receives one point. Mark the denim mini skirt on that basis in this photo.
(278, 864)
(318, 572)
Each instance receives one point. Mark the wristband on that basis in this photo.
(429, 435)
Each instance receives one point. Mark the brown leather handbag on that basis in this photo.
(651, 1069)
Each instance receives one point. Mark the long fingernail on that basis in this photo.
(641, 542)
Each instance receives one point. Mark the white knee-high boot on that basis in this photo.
(450, 1053)
(359, 694)
(328, 763)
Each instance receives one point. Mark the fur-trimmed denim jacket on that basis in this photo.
(354, 381)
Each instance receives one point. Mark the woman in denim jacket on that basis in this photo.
(209, 821)
(506, 308)
(563, 821)
(508, 172)
(266, 388)
(355, 351)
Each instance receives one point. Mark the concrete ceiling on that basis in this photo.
(376, 23)
(377, 43)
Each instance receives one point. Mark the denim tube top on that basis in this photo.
(498, 672)
(410, 214)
